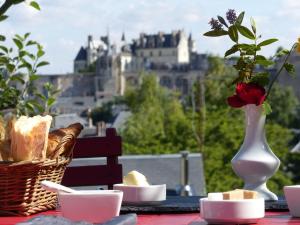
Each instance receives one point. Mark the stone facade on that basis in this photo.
(171, 56)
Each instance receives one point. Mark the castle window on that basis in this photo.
(151, 54)
(159, 53)
(142, 54)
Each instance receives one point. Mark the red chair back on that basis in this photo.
(110, 147)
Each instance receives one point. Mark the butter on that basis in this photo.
(135, 178)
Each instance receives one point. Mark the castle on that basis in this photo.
(102, 71)
(171, 56)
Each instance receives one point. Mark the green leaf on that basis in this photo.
(26, 35)
(35, 5)
(264, 62)
(244, 47)
(4, 49)
(246, 32)
(18, 43)
(215, 33)
(19, 37)
(267, 42)
(34, 77)
(240, 18)
(282, 52)
(2, 38)
(3, 17)
(26, 64)
(266, 108)
(31, 43)
(43, 63)
(18, 78)
(39, 107)
(40, 53)
(41, 96)
(10, 67)
(22, 53)
(4, 60)
(231, 51)
(253, 25)
(50, 101)
(233, 33)
(290, 68)
(261, 78)
(31, 56)
(260, 57)
(15, 2)
(29, 106)
(222, 21)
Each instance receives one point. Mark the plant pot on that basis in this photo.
(255, 162)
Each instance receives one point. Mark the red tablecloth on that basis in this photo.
(276, 218)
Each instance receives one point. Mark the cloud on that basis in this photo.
(290, 8)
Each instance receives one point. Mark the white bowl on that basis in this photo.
(232, 211)
(292, 196)
(140, 194)
(92, 206)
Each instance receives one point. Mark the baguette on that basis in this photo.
(29, 138)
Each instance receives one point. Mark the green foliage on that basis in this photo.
(9, 3)
(249, 57)
(18, 71)
(158, 123)
(103, 113)
(284, 98)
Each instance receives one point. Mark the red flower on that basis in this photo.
(247, 94)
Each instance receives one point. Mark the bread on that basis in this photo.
(61, 141)
(29, 138)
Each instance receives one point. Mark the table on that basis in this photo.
(276, 218)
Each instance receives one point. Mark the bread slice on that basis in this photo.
(29, 138)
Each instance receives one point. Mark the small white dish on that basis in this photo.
(232, 211)
(97, 206)
(292, 196)
(142, 194)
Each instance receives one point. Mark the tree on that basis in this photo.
(284, 98)
(158, 123)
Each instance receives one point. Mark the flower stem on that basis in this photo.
(281, 68)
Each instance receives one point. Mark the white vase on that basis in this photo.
(255, 162)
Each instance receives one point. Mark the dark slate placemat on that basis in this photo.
(179, 204)
(173, 204)
(279, 205)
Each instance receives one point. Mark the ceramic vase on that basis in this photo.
(255, 162)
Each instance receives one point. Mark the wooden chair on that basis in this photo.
(110, 147)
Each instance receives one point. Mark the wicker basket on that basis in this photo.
(20, 189)
(21, 192)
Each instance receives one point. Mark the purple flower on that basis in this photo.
(215, 25)
(231, 16)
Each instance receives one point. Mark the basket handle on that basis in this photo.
(65, 147)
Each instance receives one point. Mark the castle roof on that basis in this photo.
(159, 40)
(81, 55)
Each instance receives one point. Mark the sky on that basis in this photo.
(62, 26)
